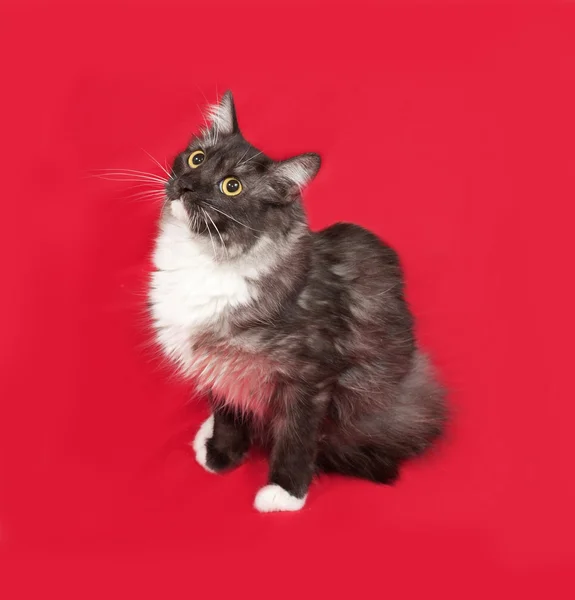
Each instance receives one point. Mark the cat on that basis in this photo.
(302, 341)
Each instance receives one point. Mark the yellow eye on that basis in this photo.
(230, 186)
(196, 159)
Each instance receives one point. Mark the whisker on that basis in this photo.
(170, 170)
(251, 158)
(139, 183)
(150, 191)
(118, 176)
(221, 238)
(230, 217)
(157, 162)
(242, 156)
(211, 238)
(126, 171)
(150, 186)
(148, 196)
(144, 184)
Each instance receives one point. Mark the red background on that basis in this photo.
(449, 130)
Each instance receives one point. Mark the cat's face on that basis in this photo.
(230, 192)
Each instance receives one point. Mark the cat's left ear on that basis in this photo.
(223, 117)
(299, 170)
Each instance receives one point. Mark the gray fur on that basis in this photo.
(350, 390)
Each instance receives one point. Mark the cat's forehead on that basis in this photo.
(234, 152)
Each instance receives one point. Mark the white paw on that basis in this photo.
(273, 498)
(205, 432)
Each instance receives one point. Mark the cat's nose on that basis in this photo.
(184, 186)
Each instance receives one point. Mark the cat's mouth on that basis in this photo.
(190, 214)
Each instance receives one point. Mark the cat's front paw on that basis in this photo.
(200, 443)
(217, 455)
(273, 498)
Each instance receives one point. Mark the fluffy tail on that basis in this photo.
(365, 462)
(399, 429)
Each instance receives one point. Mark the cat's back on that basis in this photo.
(357, 256)
(365, 275)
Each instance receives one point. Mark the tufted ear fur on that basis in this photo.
(222, 117)
(299, 170)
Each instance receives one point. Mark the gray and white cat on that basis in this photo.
(302, 341)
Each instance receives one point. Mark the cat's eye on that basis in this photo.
(230, 186)
(196, 159)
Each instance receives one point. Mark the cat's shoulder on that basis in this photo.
(342, 233)
(350, 239)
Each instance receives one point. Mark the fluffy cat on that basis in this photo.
(301, 340)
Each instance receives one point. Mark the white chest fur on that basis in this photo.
(191, 293)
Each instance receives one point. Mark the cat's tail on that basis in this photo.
(363, 461)
(392, 433)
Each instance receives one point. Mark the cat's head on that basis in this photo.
(229, 192)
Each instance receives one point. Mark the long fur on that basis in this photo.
(303, 337)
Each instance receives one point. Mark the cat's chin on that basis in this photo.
(178, 211)
(193, 222)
